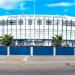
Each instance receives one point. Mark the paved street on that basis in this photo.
(48, 66)
(38, 72)
(41, 69)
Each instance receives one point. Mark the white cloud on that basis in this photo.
(64, 4)
(10, 4)
(22, 7)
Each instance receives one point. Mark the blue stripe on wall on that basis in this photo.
(3, 50)
(37, 50)
(42, 50)
(64, 51)
(19, 50)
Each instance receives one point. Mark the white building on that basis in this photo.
(39, 29)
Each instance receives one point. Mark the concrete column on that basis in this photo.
(54, 51)
(31, 50)
(16, 42)
(8, 50)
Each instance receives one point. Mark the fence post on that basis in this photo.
(8, 50)
(54, 51)
(31, 50)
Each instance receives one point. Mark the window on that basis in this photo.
(39, 42)
(0, 22)
(29, 22)
(4, 22)
(48, 22)
(68, 23)
(39, 22)
(20, 22)
(20, 42)
(8, 22)
(57, 22)
(12, 22)
(73, 23)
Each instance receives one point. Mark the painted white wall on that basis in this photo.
(30, 33)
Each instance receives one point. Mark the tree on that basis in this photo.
(6, 40)
(57, 40)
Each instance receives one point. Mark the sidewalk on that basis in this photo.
(37, 59)
(34, 62)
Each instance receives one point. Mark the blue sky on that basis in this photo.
(44, 7)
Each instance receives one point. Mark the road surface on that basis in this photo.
(35, 69)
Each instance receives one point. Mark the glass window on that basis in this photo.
(64, 22)
(48, 22)
(39, 42)
(20, 42)
(12, 22)
(68, 23)
(29, 22)
(73, 23)
(20, 22)
(8, 22)
(39, 22)
(4, 22)
(0, 22)
(57, 22)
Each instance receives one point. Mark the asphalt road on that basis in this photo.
(65, 69)
(39, 72)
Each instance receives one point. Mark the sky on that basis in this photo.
(42, 7)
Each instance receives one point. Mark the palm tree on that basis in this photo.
(57, 40)
(6, 40)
